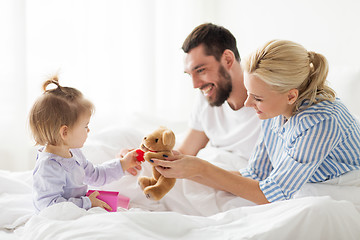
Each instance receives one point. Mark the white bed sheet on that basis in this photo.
(188, 211)
(306, 218)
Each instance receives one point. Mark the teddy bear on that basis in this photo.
(156, 145)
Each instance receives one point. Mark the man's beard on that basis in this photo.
(223, 89)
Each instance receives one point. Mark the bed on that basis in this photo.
(188, 211)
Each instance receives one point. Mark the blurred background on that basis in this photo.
(126, 57)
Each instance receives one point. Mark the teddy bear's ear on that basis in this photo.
(168, 137)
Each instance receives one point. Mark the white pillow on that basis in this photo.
(104, 145)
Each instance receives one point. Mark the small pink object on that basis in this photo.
(114, 199)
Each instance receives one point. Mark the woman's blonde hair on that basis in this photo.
(286, 65)
(55, 108)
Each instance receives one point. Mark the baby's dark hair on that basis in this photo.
(55, 108)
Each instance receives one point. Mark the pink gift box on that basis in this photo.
(113, 199)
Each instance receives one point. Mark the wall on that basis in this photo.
(126, 55)
(329, 27)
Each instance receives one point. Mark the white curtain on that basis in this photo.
(126, 57)
(13, 141)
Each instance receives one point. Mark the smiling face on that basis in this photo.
(208, 75)
(267, 102)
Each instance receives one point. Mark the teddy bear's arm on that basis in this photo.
(158, 155)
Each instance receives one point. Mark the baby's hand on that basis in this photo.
(129, 161)
(95, 202)
(131, 170)
(123, 152)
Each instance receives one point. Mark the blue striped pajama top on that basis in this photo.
(317, 144)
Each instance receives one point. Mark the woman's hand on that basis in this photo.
(132, 170)
(95, 202)
(179, 166)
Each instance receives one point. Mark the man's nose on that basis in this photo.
(197, 83)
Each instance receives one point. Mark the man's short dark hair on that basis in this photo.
(215, 39)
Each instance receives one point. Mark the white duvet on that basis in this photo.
(188, 211)
(296, 219)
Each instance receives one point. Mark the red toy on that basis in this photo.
(140, 156)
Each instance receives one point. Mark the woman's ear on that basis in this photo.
(228, 58)
(63, 132)
(293, 95)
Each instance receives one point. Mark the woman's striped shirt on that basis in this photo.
(317, 144)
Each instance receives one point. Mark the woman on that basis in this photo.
(307, 134)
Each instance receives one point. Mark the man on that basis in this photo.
(219, 120)
(213, 62)
(222, 132)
